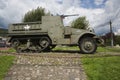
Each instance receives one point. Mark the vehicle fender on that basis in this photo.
(83, 35)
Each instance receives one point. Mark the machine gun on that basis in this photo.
(63, 16)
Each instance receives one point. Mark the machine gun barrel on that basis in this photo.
(63, 16)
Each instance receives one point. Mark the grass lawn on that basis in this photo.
(5, 50)
(108, 49)
(104, 68)
(99, 49)
(5, 63)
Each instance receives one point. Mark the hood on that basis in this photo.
(79, 31)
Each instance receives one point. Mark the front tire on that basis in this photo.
(88, 45)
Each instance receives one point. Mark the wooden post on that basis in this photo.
(111, 32)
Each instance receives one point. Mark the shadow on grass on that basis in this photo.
(67, 51)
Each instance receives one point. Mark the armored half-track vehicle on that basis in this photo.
(45, 35)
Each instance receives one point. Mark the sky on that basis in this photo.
(98, 12)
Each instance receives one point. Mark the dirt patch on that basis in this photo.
(4, 48)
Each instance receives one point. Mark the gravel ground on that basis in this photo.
(46, 68)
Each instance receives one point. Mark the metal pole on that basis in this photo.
(111, 32)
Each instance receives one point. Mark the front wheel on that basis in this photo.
(87, 45)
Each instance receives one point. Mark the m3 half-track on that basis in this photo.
(45, 35)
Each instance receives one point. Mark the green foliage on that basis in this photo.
(35, 15)
(80, 23)
(106, 68)
(5, 64)
(117, 40)
(108, 42)
(3, 32)
(107, 39)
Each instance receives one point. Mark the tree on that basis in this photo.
(117, 39)
(80, 23)
(3, 32)
(35, 15)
